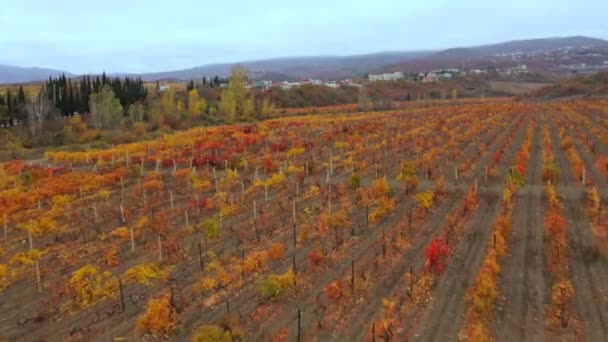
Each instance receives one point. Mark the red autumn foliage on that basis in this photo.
(555, 224)
(434, 253)
(497, 157)
(280, 147)
(316, 257)
(334, 290)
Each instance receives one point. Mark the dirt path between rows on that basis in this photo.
(520, 313)
(588, 272)
(357, 326)
(443, 318)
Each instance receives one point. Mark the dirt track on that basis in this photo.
(520, 314)
(589, 271)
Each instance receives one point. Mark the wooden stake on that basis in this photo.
(374, 332)
(122, 190)
(255, 212)
(299, 324)
(200, 257)
(38, 278)
(95, 216)
(5, 228)
(331, 163)
(132, 235)
(412, 283)
(160, 248)
(329, 200)
(293, 265)
(122, 297)
(122, 214)
(352, 276)
(583, 177)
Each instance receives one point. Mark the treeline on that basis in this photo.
(71, 97)
(205, 82)
(67, 96)
(121, 110)
(12, 106)
(310, 95)
(378, 94)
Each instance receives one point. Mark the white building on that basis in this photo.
(386, 76)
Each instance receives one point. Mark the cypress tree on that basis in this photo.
(9, 101)
(21, 96)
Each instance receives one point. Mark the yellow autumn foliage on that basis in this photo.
(425, 199)
(142, 274)
(384, 205)
(91, 286)
(122, 233)
(295, 151)
(4, 276)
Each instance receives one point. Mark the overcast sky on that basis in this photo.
(148, 35)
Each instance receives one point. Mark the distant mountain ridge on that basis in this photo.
(542, 54)
(524, 46)
(322, 67)
(340, 67)
(15, 74)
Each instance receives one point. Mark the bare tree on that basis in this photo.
(38, 109)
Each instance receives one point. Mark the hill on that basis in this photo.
(15, 74)
(550, 56)
(528, 46)
(321, 67)
(583, 86)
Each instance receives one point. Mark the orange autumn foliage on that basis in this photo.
(276, 251)
(334, 291)
(159, 317)
(470, 200)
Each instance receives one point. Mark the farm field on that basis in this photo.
(472, 221)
